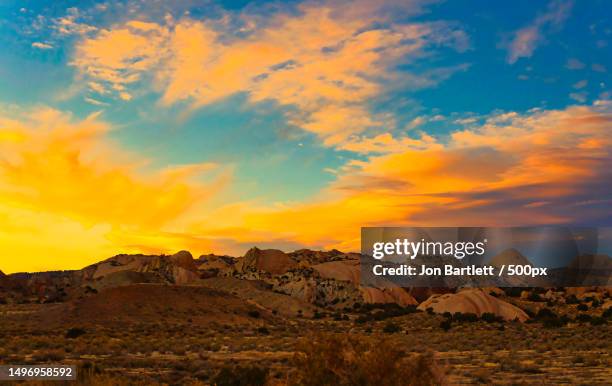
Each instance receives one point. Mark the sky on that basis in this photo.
(153, 126)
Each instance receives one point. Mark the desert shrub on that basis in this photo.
(583, 318)
(534, 297)
(514, 292)
(343, 360)
(597, 321)
(555, 322)
(465, 317)
(529, 313)
(582, 307)
(550, 319)
(254, 314)
(263, 330)
(241, 376)
(391, 328)
(382, 311)
(607, 313)
(545, 313)
(446, 324)
(572, 299)
(75, 332)
(490, 317)
(318, 315)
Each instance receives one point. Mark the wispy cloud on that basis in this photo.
(598, 67)
(42, 46)
(501, 170)
(574, 64)
(324, 65)
(527, 39)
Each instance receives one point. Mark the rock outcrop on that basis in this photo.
(475, 301)
(395, 295)
(214, 265)
(273, 261)
(175, 269)
(345, 270)
(350, 271)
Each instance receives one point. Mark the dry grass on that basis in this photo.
(183, 352)
(342, 359)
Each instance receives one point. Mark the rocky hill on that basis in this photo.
(143, 303)
(273, 261)
(179, 268)
(474, 301)
(299, 283)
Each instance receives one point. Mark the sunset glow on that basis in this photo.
(130, 126)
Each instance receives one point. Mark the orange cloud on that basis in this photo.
(324, 63)
(534, 168)
(70, 196)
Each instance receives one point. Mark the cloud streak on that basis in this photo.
(321, 64)
(527, 39)
(515, 169)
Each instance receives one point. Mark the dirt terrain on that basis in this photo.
(149, 320)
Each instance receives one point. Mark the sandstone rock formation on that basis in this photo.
(175, 269)
(349, 270)
(214, 265)
(346, 270)
(474, 301)
(273, 261)
(395, 295)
